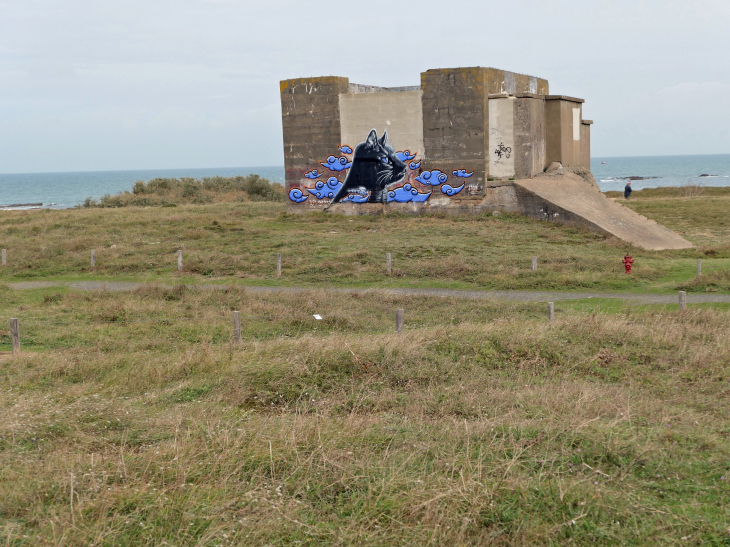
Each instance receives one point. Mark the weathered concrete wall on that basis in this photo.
(501, 137)
(503, 81)
(585, 143)
(563, 116)
(529, 129)
(455, 124)
(310, 115)
(397, 112)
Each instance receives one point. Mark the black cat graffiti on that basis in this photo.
(375, 167)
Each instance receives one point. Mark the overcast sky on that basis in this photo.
(142, 84)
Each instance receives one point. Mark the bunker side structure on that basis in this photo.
(466, 140)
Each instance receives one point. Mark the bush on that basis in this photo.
(190, 190)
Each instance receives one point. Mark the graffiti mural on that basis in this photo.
(334, 163)
(324, 190)
(297, 196)
(376, 173)
(375, 166)
(313, 174)
(450, 191)
(407, 193)
(434, 178)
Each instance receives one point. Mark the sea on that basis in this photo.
(64, 190)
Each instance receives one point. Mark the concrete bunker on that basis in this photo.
(460, 142)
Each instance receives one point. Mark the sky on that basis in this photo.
(91, 85)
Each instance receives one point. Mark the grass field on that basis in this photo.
(131, 418)
(238, 242)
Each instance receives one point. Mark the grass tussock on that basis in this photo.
(164, 192)
(479, 424)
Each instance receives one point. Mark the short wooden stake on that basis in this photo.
(682, 300)
(278, 264)
(551, 311)
(236, 327)
(399, 316)
(15, 335)
(5, 257)
(699, 266)
(534, 263)
(179, 260)
(93, 259)
(388, 263)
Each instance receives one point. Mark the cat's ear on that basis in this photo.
(384, 138)
(372, 139)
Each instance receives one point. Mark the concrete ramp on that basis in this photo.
(572, 198)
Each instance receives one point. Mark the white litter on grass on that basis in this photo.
(317, 317)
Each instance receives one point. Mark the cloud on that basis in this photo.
(313, 174)
(326, 190)
(356, 198)
(462, 173)
(345, 149)
(297, 196)
(450, 191)
(406, 194)
(336, 164)
(405, 155)
(434, 178)
(413, 165)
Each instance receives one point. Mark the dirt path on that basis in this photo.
(523, 296)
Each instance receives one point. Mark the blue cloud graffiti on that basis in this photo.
(434, 178)
(324, 190)
(334, 163)
(407, 193)
(405, 155)
(450, 191)
(356, 198)
(313, 174)
(413, 165)
(344, 149)
(462, 173)
(297, 196)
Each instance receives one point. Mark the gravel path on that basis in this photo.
(523, 296)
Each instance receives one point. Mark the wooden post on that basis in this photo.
(236, 327)
(5, 258)
(699, 266)
(93, 259)
(551, 312)
(682, 300)
(179, 260)
(388, 263)
(15, 335)
(534, 263)
(278, 264)
(399, 316)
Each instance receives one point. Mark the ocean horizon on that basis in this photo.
(68, 189)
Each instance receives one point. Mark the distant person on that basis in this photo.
(628, 261)
(627, 190)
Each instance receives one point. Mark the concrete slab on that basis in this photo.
(574, 195)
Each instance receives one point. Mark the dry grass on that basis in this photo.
(240, 242)
(480, 424)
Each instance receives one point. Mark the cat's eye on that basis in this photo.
(385, 159)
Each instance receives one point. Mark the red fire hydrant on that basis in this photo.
(628, 261)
